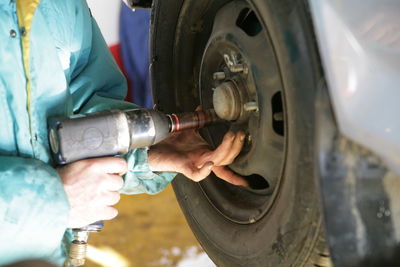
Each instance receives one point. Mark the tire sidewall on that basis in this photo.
(292, 223)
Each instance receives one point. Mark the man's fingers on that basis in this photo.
(109, 198)
(108, 213)
(112, 182)
(228, 150)
(235, 149)
(112, 165)
(222, 151)
(229, 176)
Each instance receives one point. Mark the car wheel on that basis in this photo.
(261, 56)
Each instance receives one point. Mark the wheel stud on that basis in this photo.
(251, 106)
(219, 75)
(233, 64)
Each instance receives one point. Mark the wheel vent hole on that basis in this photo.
(257, 182)
(324, 255)
(249, 22)
(277, 114)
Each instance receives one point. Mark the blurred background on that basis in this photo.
(149, 230)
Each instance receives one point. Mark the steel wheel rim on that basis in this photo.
(238, 31)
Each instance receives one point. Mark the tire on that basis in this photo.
(288, 231)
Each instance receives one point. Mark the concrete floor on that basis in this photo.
(149, 231)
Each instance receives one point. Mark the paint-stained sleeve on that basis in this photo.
(98, 84)
(33, 210)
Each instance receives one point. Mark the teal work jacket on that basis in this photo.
(53, 61)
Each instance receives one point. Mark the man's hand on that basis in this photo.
(187, 153)
(91, 186)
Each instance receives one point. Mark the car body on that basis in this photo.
(359, 43)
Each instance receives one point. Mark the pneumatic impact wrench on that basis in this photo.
(109, 133)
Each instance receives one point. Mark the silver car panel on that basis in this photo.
(359, 42)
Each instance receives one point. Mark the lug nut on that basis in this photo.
(233, 64)
(251, 106)
(219, 75)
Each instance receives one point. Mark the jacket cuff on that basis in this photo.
(139, 178)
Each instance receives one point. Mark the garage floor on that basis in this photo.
(149, 231)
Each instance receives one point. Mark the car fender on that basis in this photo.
(359, 43)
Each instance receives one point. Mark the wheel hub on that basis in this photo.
(234, 79)
(229, 101)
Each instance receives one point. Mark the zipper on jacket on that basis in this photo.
(25, 12)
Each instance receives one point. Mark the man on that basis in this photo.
(54, 61)
(134, 30)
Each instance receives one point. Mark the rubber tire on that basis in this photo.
(290, 234)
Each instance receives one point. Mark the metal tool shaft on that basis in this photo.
(192, 120)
